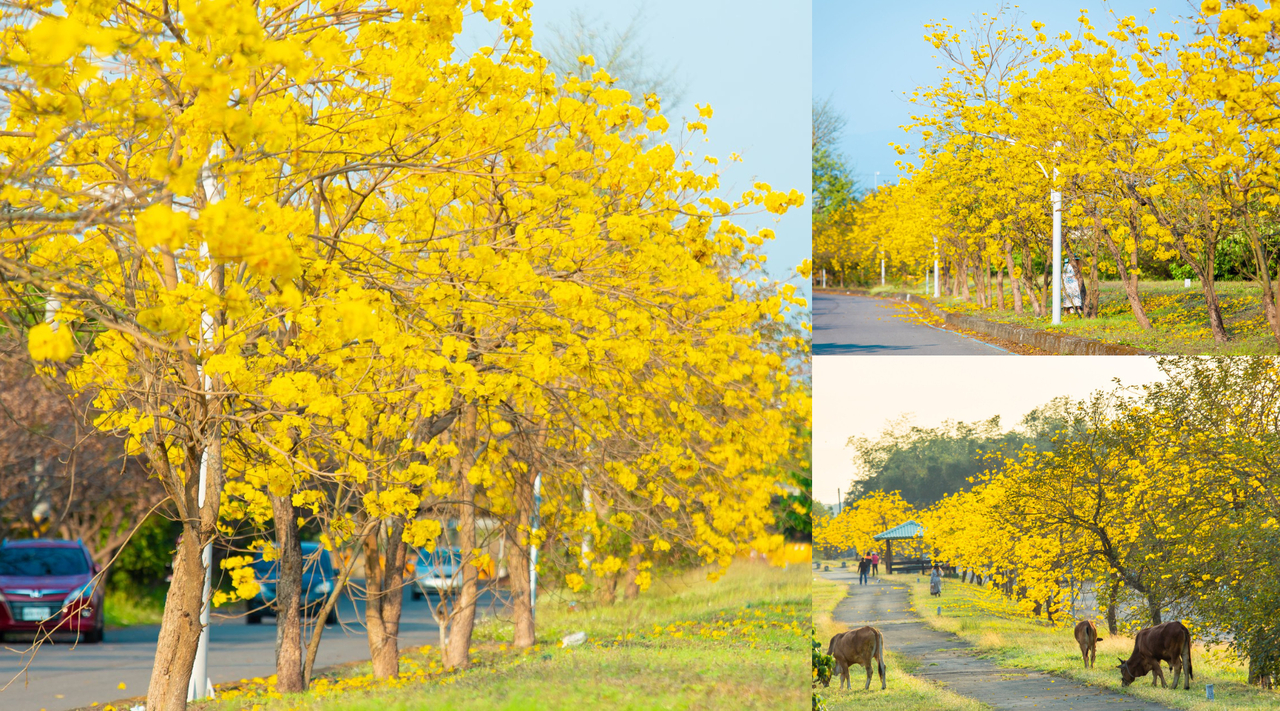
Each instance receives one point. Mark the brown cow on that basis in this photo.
(1168, 642)
(858, 646)
(1088, 639)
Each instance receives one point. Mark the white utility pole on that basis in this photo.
(533, 547)
(1055, 198)
(936, 275)
(200, 686)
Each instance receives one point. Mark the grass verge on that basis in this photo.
(124, 609)
(1011, 638)
(904, 692)
(686, 644)
(1180, 324)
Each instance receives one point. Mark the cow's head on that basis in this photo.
(1126, 674)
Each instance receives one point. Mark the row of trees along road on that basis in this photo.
(311, 261)
(1161, 146)
(60, 476)
(1164, 498)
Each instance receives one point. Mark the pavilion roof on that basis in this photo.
(902, 531)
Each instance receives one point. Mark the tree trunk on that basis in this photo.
(180, 626)
(1269, 305)
(288, 603)
(384, 581)
(1028, 284)
(1046, 282)
(1092, 306)
(1130, 285)
(1207, 287)
(462, 622)
(313, 645)
(518, 575)
(1000, 286)
(1113, 594)
(631, 590)
(1153, 606)
(1013, 279)
(518, 567)
(607, 589)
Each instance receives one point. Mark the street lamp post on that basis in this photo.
(936, 275)
(1055, 198)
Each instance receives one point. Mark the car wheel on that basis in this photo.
(415, 593)
(93, 636)
(256, 608)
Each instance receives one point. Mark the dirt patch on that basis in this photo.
(949, 661)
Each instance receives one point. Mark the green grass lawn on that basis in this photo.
(904, 692)
(685, 644)
(1179, 322)
(123, 609)
(1013, 639)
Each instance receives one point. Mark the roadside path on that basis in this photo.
(950, 661)
(862, 325)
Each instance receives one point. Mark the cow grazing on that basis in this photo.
(1088, 639)
(1168, 642)
(858, 646)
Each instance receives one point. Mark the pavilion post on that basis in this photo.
(888, 557)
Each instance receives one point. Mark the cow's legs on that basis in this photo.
(880, 664)
(1177, 671)
(1158, 674)
(844, 678)
(868, 667)
(1093, 654)
(1085, 653)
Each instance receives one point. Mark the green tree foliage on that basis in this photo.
(833, 185)
(927, 463)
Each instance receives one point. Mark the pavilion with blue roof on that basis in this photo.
(902, 532)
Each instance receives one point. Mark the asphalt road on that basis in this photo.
(65, 677)
(861, 325)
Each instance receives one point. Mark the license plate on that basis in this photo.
(36, 614)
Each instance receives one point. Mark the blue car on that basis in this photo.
(317, 583)
(437, 573)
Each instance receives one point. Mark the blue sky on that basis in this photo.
(866, 54)
(750, 59)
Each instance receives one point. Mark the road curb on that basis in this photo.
(1060, 343)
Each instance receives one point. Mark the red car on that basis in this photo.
(49, 584)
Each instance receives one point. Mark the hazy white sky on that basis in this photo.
(859, 395)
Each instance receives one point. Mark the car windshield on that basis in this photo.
(440, 556)
(312, 564)
(38, 561)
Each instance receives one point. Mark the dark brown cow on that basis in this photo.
(1168, 642)
(1088, 639)
(858, 646)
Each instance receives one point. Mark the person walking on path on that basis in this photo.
(875, 563)
(864, 567)
(935, 582)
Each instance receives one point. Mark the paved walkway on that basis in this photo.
(861, 325)
(950, 661)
